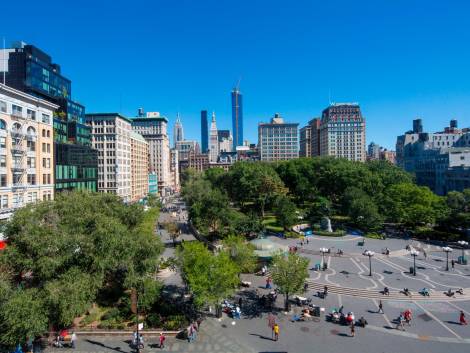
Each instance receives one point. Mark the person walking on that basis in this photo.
(353, 329)
(276, 332)
(198, 322)
(462, 318)
(453, 263)
(400, 322)
(381, 308)
(271, 323)
(73, 340)
(162, 340)
(190, 333)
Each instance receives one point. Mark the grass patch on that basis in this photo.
(373, 235)
(336, 233)
(270, 223)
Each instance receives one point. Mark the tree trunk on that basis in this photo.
(286, 303)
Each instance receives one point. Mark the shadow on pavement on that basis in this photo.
(262, 337)
(117, 349)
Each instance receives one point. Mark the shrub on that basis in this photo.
(374, 236)
(153, 320)
(175, 322)
(111, 324)
(112, 314)
(337, 233)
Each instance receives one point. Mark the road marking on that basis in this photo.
(458, 308)
(437, 320)
(384, 315)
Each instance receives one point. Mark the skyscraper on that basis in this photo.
(204, 132)
(214, 142)
(343, 132)
(29, 69)
(178, 130)
(237, 117)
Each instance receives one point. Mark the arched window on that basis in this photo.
(16, 127)
(31, 130)
(3, 124)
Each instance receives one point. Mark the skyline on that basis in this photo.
(400, 61)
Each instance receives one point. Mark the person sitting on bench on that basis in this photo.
(460, 291)
(386, 291)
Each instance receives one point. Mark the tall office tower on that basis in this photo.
(237, 118)
(153, 128)
(139, 167)
(26, 150)
(213, 142)
(32, 71)
(178, 131)
(204, 132)
(343, 132)
(315, 136)
(305, 143)
(278, 140)
(373, 151)
(174, 169)
(111, 136)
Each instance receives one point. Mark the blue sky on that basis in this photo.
(399, 58)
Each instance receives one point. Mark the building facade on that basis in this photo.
(178, 134)
(373, 151)
(139, 167)
(278, 140)
(439, 160)
(204, 132)
(174, 170)
(32, 71)
(343, 132)
(237, 118)
(213, 142)
(26, 150)
(111, 137)
(185, 146)
(153, 183)
(153, 128)
(305, 149)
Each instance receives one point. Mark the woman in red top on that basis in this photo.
(462, 319)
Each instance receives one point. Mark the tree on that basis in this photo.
(285, 212)
(23, 315)
(289, 273)
(361, 209)
(69, 252)
(173, 231)
(210, 277)
(321, 207)
(241, 252)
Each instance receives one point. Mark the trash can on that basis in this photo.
(411, 270)
(316, 311)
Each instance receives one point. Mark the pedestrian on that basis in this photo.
(400, 322)
(198, 322)
(73, 339)
(453, 263)
(462, 318)
(408, 317)
(194, 331)
(381, 308)
(190, 333)
(353, 329)
(276, 332)
(306, 238)
(271, 323)
(162, 340)
(425, 255)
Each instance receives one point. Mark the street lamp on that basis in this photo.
(414, 253)
(463, 244)
(369, 254)
(447, 250)
(323, 251)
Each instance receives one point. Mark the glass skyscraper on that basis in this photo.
(32, 71)
(237, 118)
(204, 132)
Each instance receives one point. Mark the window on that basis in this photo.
(43, 133)
(16, 110)
(3, 125)
(3, 161)
(46, 118)
(4, 201)
(31, 114)
(3, 180)
(48, 148)
(3, 106)
(3, 142)
(31, 131)
(32, 179)
(31, 145)
(31, 162)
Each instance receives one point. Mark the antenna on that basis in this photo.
(329, 96)
(4, 63)
(238, 84)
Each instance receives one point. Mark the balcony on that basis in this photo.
(18, 187)
(16, 133)
(18, 149)
(18, 168)
(17, 115)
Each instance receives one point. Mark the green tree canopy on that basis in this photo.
(241, 252)
(289, 273)
(285, 212)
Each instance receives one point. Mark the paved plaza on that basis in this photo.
(434, 327)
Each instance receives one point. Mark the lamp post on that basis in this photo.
(323, 251)
(447, 250)
(463, 244)
(369, 254)
(414, 253)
